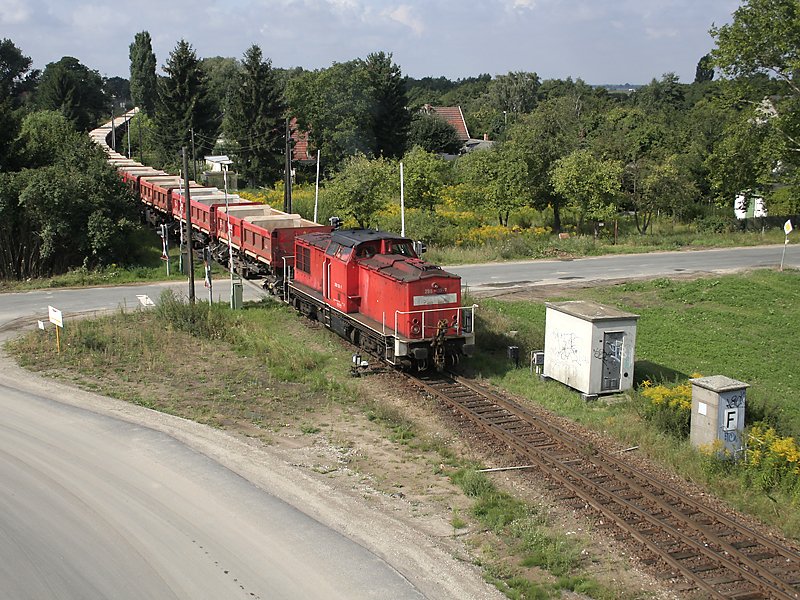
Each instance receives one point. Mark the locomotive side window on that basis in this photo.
(303, 262)
(365, 252)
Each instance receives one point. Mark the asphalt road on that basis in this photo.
(92, 507)
(33, 304)
(522, 274)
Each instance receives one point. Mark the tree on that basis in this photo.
(390, 117)
(183, 106)
(254, 120)
(16, 81)
(759, 51)
(143, 82)
(334, 105)
(16, 76)
(667, 186)
(705, 69)
(362, 187)
(119, 90)
(552, 131)
(764, 37)
(590, 185)
(68, 209)
(423, 175)
(665, 94)
(434, 134)
(498, 177)
(514, 93)
(222, 76)
(75, 91)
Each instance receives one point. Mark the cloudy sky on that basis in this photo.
(600, 41)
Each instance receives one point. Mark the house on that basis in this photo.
(455, 116)
(300, 149)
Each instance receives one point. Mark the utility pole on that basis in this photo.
(194, 160)
(128, 131)
(113, 126)
(188, 235)
(287, 184)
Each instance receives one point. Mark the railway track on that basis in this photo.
(706, 552)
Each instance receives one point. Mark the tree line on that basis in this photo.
(560, 146)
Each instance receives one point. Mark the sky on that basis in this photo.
(599, 41)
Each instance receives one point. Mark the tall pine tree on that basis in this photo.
(254, 120)
(183, 106)
(390, 118)
(143, 73)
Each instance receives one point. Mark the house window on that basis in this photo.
(303, 262)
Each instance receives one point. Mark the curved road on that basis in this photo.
(92, 507)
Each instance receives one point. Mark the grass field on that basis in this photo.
(743, 326)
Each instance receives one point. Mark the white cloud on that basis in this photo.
(523, 4)
(405, 15)
(14, 12)
(660, 33)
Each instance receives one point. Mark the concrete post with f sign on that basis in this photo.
(718, 408)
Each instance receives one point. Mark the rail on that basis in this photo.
(714, 554)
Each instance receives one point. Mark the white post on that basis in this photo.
(230, 234)
(316, 191)
(402, 205)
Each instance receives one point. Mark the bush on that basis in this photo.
(668, 407)
(773, 461)
(200, 319)
(716, 224)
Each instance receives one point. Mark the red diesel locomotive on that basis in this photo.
(371, 288)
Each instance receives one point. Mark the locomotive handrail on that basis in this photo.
(467, 327)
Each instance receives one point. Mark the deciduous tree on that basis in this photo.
(333, 104)
(362, 187)
(434, 134)
(591, 185)
(75, 91)
(423, 175)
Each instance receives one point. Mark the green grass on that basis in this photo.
(742, 326)
(552, 560)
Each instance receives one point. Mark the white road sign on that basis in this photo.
(55, 316)
(145, 300)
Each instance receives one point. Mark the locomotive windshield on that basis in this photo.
(402, 248)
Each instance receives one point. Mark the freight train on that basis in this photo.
(368, 286)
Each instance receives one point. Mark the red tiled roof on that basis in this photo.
(454, 116)
(300, 139)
